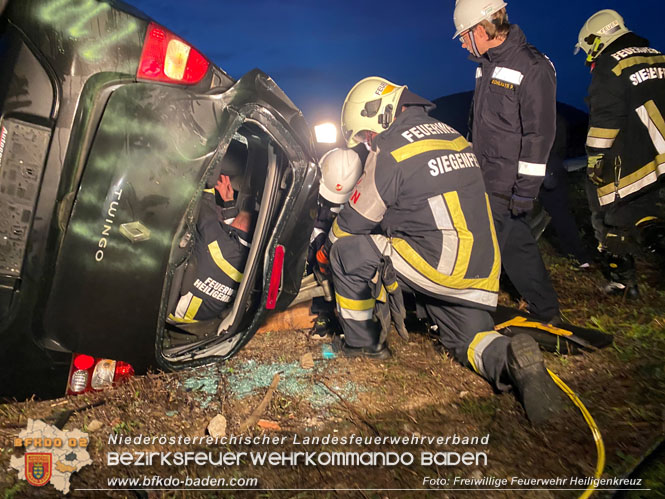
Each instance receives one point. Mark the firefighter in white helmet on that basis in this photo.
(340, 170)
(625, 145)
(513, 128)
(419, 219)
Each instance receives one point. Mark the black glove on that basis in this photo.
(594, 169)
(520, 205)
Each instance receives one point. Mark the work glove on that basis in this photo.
(389, 301)
(594, 169)
(520, 205)
(323, 261)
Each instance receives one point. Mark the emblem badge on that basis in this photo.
(38, 468)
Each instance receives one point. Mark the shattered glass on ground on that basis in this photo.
(204, 382)
(252, 377)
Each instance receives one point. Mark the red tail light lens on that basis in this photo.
(275, 277)
(169, 59)
(123, 370)
(89, 374)
(83, 362)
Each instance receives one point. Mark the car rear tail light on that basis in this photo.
(169, 59)
(88, 373)
(275, 277)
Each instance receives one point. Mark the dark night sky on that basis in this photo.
(316, 51)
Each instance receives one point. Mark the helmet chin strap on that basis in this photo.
(474, 47)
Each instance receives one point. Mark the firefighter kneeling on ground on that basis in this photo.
(625, 146)
(340, 170)
(419, 219)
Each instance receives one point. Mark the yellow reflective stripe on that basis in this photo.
(634, 61)
(524, 322)
(193, 308)
(636, 176)
(422, 146)
(351, 304)
(392, 287)
(383, 296)
(209, 191)
(222, 263)
(490, 283)
(645, 219)
(464, 236)
(337, 232)
(181, 320)
(471, 351)
(457, 279)
(603, 133)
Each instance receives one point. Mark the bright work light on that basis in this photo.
(326, 133)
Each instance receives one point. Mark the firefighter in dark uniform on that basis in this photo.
(514, 109)
(420, 212)
(340, 170)
(218, 260)
(625, 145)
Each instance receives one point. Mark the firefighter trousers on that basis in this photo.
(466, 332)
(521, 260)
(618, 227)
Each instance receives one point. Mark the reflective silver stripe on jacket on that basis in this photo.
(601, 138)
(646, 175)
(450, 239)
(366, 199)
(508, 75)
(651, 117)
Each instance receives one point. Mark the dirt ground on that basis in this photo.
(420, 392)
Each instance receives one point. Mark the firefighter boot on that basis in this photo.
(325, 325)
(620, 272)
(652, 240)
(533, 385)
(378, 352)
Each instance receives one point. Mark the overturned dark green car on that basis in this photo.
(111, 126)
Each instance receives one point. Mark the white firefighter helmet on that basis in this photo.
(370, 105)
(468, 13)
(599, 31)
(340, 171)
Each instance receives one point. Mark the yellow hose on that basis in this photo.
(598, 438)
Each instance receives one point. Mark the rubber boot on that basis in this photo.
(620, 272)
(534, 387)
(652, 241)
(325, 325)
(378, 352)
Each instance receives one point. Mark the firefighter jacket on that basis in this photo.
(422, 188)
(219, 257)
(626, 117)
(514, 116)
